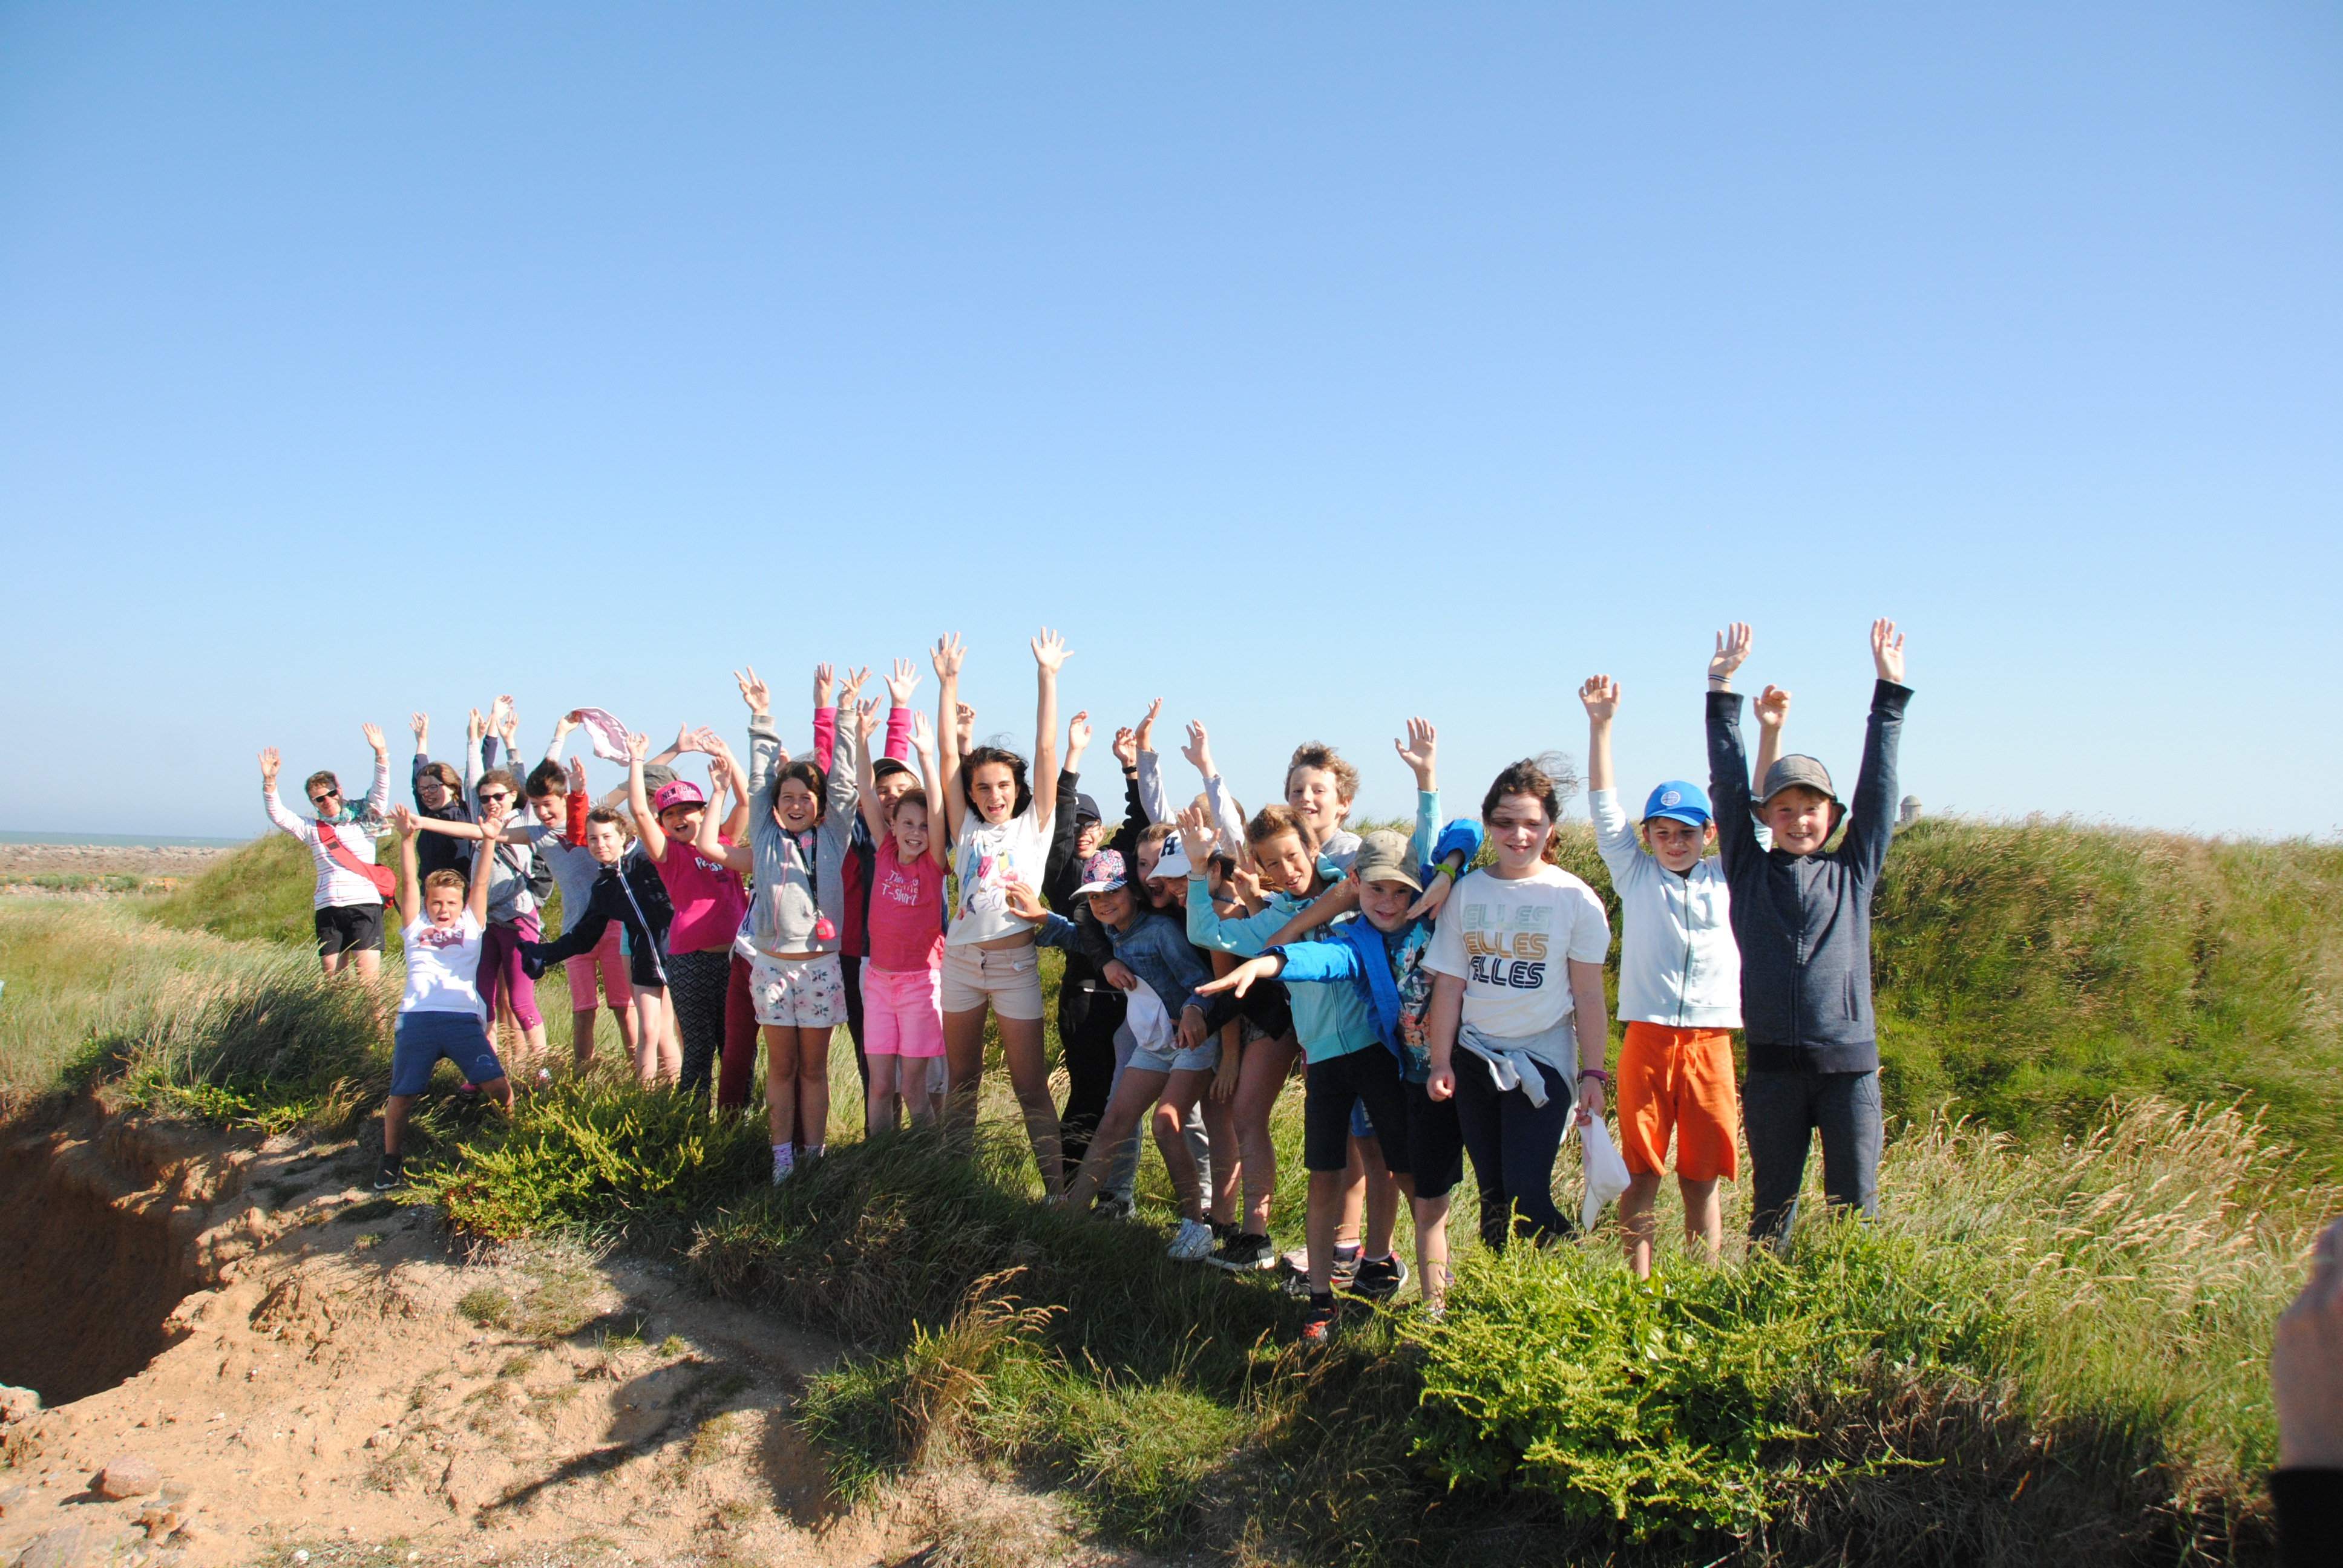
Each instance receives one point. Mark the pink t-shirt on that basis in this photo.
(907, 911)
(707, 897)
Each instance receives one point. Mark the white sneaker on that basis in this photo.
(1193, 1244)
(782, 1173)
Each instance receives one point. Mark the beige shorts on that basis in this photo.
(1009, 978)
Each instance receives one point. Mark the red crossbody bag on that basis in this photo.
(385, 879)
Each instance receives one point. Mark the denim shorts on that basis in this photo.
(1204, 1058)
(421, 1038)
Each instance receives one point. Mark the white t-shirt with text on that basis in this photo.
(1508, 939)
(443, 967)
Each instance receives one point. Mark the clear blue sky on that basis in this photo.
(1312, 367)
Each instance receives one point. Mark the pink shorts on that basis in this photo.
(606, 957)
(902, 1012)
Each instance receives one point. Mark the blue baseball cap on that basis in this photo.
(1679, 801)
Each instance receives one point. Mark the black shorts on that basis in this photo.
(1330, 1089)
(349, 929)
(1435, 1143)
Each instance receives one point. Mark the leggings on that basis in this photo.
(1513, 1144)
(850, 966)
(1087, 1021)
(696, 984)
(739, 1039)
(501, 973)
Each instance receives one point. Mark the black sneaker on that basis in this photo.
(1318, 1324)
(390, 1175)
(1379, 1278)
(1224, 1233)
(1111, 1206)
(1243, 1253)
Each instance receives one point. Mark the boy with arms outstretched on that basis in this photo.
(443, 929)
(1679, 988)
(1802, 918)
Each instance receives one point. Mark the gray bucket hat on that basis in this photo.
(1790, 771)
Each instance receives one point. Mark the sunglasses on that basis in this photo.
(494, 796)
(323, 796)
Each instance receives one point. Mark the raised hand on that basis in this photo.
(1887, 651)
(1049, 650)
(1732, 647)
(1418, 750)
(578, 775)
(1126, 748)
(754, 691)
(1198, 833)
(924, 734)
(852, 691)
(866, 719)
(639, 746)
(706, 740)
(963, 725)
(1077, 736)
(402, 818)
(901, 683)
(1198, 749)
(1599, 694)
(476, 727)
(268, 765)
(1773, 707)
(510, 726)
(1147, 726)
(823, 683)
(421, 724)
(948, 656)
(687, 739)
(373, 733)
(499, 707)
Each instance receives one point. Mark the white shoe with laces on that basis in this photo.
(1192, 1244)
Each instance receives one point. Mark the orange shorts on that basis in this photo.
(1679, 1080)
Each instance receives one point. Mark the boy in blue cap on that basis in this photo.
(1679, 989)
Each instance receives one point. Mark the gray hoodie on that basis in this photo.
(1804, 922)
(792, 895)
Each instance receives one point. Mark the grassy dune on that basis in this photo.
(2053, 1343)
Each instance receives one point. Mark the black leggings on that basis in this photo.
(696, 984)
(1086, 1024)
(1513, 1144)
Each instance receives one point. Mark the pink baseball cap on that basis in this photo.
(682, 792)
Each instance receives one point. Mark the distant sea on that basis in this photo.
(118, 841)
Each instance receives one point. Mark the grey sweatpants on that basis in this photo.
(1780, 1112)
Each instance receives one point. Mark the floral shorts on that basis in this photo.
(798, 993)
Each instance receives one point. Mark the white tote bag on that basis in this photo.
(1606, 1173)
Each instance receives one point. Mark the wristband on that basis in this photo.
(1597, 1072)
(1445, 869)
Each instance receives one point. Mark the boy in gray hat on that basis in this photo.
(1802, 916)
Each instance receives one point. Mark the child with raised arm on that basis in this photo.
(999, 828)
(1801, 920)
(1346, 1061)
(1380, 956)
(443, 930)
(628, 893)
(1517, 1028)
(349, 897)
(709, 901)
(902, 982)
(1679, 992)
(798, 832)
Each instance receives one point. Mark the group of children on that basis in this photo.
(1441, 989)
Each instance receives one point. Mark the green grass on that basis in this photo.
(259, 893)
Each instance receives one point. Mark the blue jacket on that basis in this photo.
(1154, 948)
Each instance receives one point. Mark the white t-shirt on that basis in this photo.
(986, 859)
(443, 967)
(1507, 941)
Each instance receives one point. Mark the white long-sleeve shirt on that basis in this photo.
(337, 886)
(1678, 963)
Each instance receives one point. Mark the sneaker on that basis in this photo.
(1223, 1233)
(390, 1175)
(782, 1173)
(1244, 1253)
(1192, 1244)
(1111, 1206)
(1341, 1274)
(1379, 1278)
(1317, 1324)
(544, 1077)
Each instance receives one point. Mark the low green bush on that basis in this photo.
(261, 891)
